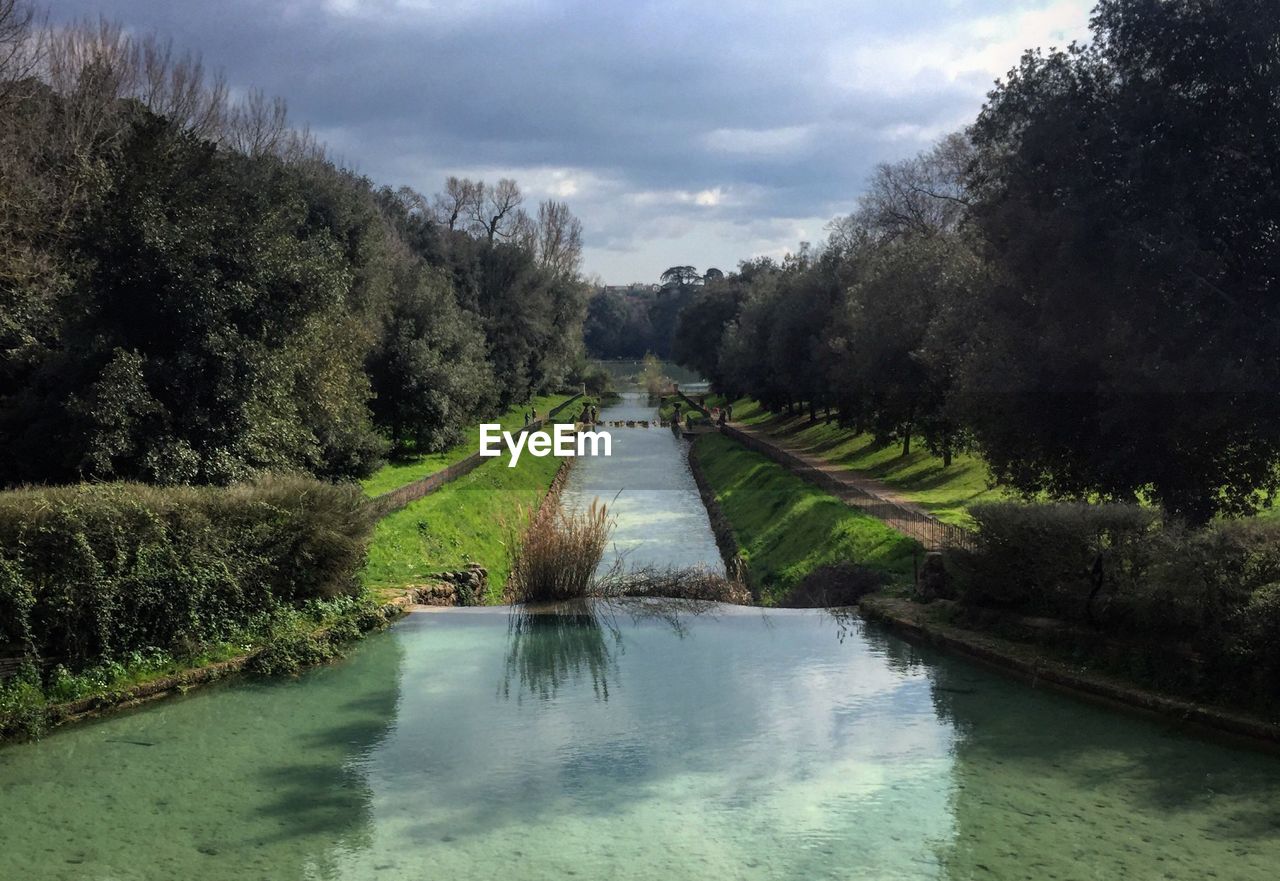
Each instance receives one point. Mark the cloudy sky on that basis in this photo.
(699, 132)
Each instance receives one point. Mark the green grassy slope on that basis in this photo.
(947, 492)
(396, 474)
(787, 527)
(463, 522)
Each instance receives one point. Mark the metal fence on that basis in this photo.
(920, 525)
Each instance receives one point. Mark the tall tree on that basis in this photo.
(1129, 192)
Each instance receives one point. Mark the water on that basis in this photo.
(633, 743)
(660, 519)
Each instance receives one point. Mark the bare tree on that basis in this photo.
(456, 202)
(923, 195)
(559, 238)
(178, 88)
(20, 48)
(494, 209)
(259, 125)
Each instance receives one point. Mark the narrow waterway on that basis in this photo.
(660, 519)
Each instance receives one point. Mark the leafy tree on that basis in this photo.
(428, 370)
(213, 335)
(1128, 194)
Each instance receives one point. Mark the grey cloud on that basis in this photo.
(624, 94)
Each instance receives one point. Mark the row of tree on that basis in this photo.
(627, 323)
(1082, 286)
(192, 292)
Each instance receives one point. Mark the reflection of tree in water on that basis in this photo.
(553, 646)
(1046, 785)
(323, 801)
(550, 647)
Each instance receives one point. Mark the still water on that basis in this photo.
(629, 741)
(660, 521)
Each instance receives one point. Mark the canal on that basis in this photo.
(660, 521)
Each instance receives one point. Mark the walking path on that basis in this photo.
(854, 489)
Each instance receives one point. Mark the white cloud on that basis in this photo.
(972, 52)
(766, 142)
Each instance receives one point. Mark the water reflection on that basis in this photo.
(657, 741)
(553, 646)
(550, 647)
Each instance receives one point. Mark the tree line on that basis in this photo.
(192, 291)
(640, 320)
(1081, 285)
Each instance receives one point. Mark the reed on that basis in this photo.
(557, 556)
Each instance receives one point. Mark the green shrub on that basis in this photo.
(90, 573)
(1198, 608)
(1047, 559)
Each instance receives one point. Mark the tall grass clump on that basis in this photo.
(557, 556)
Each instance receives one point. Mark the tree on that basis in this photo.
(680, 277)
(1128, 194)
(428, 370)
(213, 333)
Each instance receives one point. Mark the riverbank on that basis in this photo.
(1036, 664)
(786, 528)
(296, 639)
(464, 523)
(459, 533)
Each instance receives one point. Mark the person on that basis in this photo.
(729, 411)
(721, 420)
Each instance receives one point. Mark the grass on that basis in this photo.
(397, 473)
(463, 522)
(947, 492)
(787, 527)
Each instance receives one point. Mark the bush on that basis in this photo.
(1048, 559)
(1198, 608)
(91, 573)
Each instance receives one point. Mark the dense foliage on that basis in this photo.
(627, 323)
(192, 293)
(1204, 603)
(92, 573)
(1082, 285)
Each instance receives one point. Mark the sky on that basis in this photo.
(699, 133)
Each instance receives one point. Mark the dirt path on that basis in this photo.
(854, 489)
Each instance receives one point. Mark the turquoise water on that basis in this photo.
(660, 521)
(631, 741)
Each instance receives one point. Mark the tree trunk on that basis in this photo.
(813, 412)
(906, 442)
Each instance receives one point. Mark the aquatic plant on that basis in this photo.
(557, 556)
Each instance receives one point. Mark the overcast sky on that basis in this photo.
(680, 132)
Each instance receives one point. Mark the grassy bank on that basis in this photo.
(463, 522)
(397, 473)
(787, 527)
(947, 491)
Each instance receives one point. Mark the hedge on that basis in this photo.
(1200, 608)
(89, 573)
